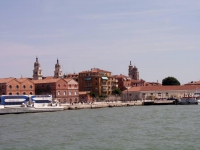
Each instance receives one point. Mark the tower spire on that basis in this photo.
(37, 72)
(58, 71)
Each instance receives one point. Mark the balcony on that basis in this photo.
(104, 84)
(104, 89)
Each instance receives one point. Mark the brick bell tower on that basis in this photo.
(37, 72)
(133, 72)
(58, 71)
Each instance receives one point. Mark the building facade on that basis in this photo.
(63, 90)
(97, 81)
(159, 92)
(125, 82)
(13, 86)
(72, 75)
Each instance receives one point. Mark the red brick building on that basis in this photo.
(64, 90)
(72, 76)
(125, 82)
(98, 81)
(85, 97)
(13, 86)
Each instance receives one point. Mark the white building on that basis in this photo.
(159, 92)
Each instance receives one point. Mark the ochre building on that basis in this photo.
(98, 81)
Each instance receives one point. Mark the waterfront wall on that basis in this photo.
(102, 105)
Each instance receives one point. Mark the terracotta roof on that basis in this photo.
(193, 83)
(164, 88)
(153, 84)
(48, 77)
(95, 70)
(21, 79)
(121, 76)
(72, 74)
(136, 81)
(6, 80)
(47, 80)
(68, 79)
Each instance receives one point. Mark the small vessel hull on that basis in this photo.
(21, 110)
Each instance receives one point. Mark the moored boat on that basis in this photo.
(188, 101)
(16, 104)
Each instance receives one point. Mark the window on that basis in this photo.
(31, 86)
(75, 93)
(24, 93)
(31, 93)
(70, 93)
(64, 93)
(24, 86)
(58, 92)
(17, 86)
(10, 86)
(10, 93)
(17, 93)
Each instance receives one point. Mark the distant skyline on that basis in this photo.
(161, 38)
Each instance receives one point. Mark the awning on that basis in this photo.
(104, 78)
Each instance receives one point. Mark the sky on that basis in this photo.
(161, 38)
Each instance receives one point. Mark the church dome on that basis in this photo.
(135, 68)
(57, 65)
(36, 63)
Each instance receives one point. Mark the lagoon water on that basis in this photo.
(122, 128)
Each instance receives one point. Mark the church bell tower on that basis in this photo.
(58, 71)
(37, 72)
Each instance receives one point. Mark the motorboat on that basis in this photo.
(16, 104)
(188, 101)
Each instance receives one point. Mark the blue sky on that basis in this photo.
(162, 38)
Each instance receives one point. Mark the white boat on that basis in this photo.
(197, 96)
(15, 104)
(188, 101)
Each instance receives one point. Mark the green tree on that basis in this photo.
(117, 91)
(92, 94)
(170, 81)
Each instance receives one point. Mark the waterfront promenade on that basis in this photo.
(101, 105)
(114, 104)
